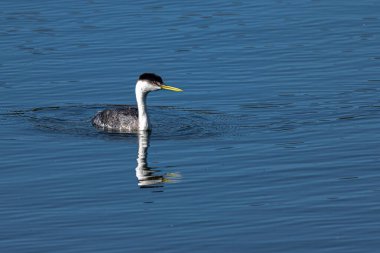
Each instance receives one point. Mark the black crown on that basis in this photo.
(151, 77)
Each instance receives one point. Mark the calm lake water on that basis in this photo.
(273, 147)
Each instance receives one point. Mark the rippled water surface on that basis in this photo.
(273, 147)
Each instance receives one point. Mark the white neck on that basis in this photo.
(141, 95)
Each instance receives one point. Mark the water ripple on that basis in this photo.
(168, 122)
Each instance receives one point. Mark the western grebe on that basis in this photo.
(130, 119)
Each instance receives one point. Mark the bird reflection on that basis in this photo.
(148, 177)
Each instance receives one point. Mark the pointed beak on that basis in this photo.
(167, 87)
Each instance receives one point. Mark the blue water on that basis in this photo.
(273, 147)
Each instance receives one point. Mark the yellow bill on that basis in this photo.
(167, 87)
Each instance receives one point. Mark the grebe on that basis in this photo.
(131, 119)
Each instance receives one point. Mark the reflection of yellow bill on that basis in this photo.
(173, 177)
(167, 87)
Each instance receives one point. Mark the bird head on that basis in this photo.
(148, 82)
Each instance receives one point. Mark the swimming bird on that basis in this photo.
(131, 119)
